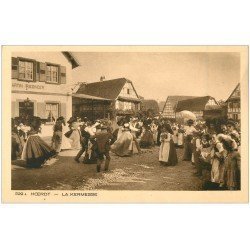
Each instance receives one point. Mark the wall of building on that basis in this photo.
(168, 111)
(38, 90)
(233, 109)
(91, 109)
(126, 105)
(40, 101)
(233, 105)
(128, 91)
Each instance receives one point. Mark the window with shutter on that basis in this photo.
(52, 73)
(25, 70)
(51, 111)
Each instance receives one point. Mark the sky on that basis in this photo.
(157, 75)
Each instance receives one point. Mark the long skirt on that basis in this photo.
(17, 143)
(232, 173)
(167, 153)
(155, 136)
(57, 141)
(75, 139)
(187, 149)
(147, 140)
(65, 143)
(36, 152)
(217, 171)
(124, 145)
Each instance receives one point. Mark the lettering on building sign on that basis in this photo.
(26, 86)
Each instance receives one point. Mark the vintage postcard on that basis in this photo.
(125, 124)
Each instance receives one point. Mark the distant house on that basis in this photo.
(168, 110)
(233, 104)
(198, 106)
(161, 105)
(115, 97)
(150, 106)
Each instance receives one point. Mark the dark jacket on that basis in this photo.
(102, 141)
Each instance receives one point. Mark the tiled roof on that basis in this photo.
(109, 89)
(174, 99)
(194, 104)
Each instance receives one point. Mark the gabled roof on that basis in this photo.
(109, 89)
(71, 59)
(233, 92)
(194, 104)
(174, 99)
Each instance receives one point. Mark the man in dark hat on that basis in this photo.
(102, 140)
(84, 139)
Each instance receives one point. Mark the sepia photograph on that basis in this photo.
(83, 120)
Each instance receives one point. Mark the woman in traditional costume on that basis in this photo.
(180, 136)
(189, 129)
(154, 127)
(36, 152)
(147, 140)
(74, 134)
(196, 152)
(232, 165)
(218, 155)
(175, 135)
(17, 140)
(118, 131)
(167, 153)
(126, 144)
(57, 136)
(65, 141)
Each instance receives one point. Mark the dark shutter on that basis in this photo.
(13, 109)
(37, 71)
(14, 68)
(34, 71)
(42, 73)
(63, 110)
(62, 74)
(41, 110)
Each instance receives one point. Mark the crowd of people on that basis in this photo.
(213, 147)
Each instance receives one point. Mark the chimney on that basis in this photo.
(102, 78)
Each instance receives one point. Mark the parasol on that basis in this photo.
(188, 115)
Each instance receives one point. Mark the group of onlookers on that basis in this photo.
(215, 153)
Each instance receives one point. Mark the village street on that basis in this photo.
(139, 172)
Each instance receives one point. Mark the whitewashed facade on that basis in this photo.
(123, 101)
(41, 85)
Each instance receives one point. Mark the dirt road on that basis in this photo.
(139, 172)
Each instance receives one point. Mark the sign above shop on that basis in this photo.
(27, 86)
